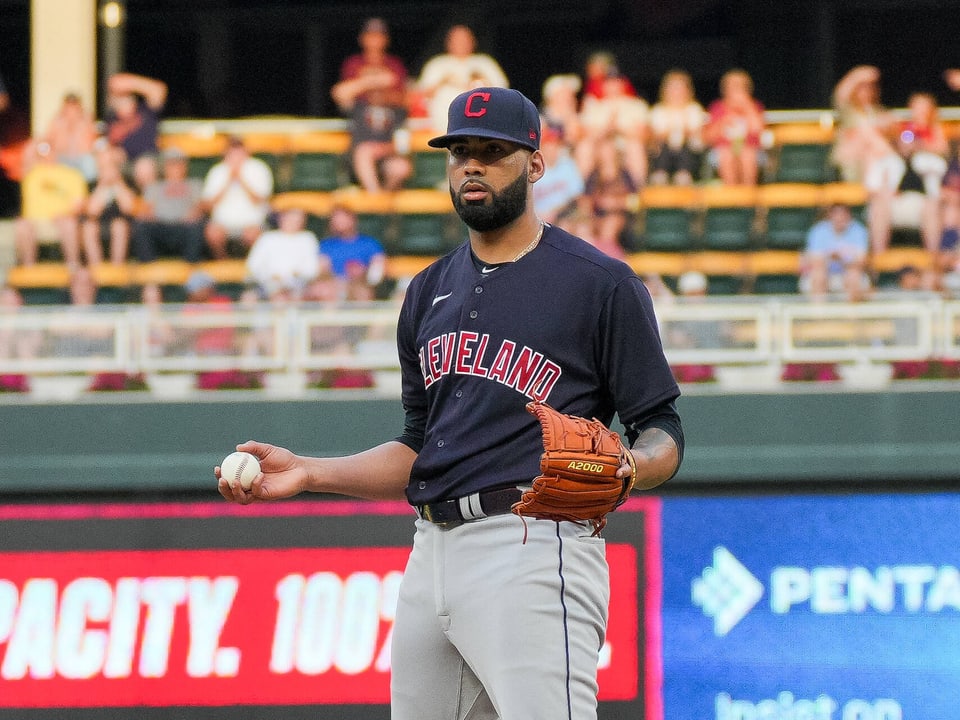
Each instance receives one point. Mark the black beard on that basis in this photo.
(504, 207)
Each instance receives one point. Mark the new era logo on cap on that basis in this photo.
(495, 113)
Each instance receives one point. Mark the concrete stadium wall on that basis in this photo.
(119, 445)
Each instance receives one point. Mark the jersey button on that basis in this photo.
(478, 289)
(422, 485)
(459, 393)
(439, 443)
(473, 314)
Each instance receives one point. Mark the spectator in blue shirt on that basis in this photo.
(555, 195)
(354, 258)
(835, 257)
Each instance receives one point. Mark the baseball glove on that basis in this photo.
(578, 468)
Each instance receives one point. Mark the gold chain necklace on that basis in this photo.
(532, 245)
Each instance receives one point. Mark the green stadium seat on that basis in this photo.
(775, 272)
(45, 296)
(376, 225)
(321, 171)
(804, 163)
(429, 170)
(787, 227)
(776, 284)
(317, 224)
(198, 166)
(724, 284)
(428, 233)
(790, 210)
(667, 214)
(729, 215)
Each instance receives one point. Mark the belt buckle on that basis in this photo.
(427, 514)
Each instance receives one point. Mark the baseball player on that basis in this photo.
(491, 622)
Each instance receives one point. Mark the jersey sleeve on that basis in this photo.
(637, 375)
(413, 393)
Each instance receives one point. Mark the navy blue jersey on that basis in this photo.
(565, 324)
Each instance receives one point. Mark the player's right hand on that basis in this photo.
(281, 475)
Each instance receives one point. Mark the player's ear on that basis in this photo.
(535, 166)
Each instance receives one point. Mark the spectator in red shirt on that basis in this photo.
(372, 92)
(735, 128)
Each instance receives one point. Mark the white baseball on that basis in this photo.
(240, 466)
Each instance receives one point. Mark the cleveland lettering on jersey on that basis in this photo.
(469, 353)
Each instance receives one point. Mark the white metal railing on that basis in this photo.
(41, 340)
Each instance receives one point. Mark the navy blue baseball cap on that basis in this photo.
(491, 112)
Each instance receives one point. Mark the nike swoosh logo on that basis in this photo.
(438, 298)
(486, 270)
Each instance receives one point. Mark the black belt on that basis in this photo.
(451, 513)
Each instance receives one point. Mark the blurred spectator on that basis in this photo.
(561, 106)
(835, 256)
(71, 134)
(457, 70)
(145, 171)
(734, 130)
(352, 256)
(285, 260)
(555, 194)
(372, 92)
(952, 78)
(53, 195)
(170, 220)
(236, 193)
(676, 131)
(910, 279)
(599, 66)
(922, 142)
(863, 150)
(947, 255)
(16, 343)
(620, 116)
(604, 204)
(109, 210)
(133, 117)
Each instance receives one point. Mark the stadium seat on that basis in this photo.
(41, 284)
(426, 223)
(659, 263)
(427, 233)
(314, 203)
(429, 169)
(317, 171)
(199, 165)
(848, 193)
(851, 194)
(775, 272)
(725, 270)
(667, 213)
(789, 209)
(802, 151)
(804, 163)
(728, 216)
(203, 149)
(374, 211)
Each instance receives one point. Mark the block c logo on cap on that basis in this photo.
(469, 111)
